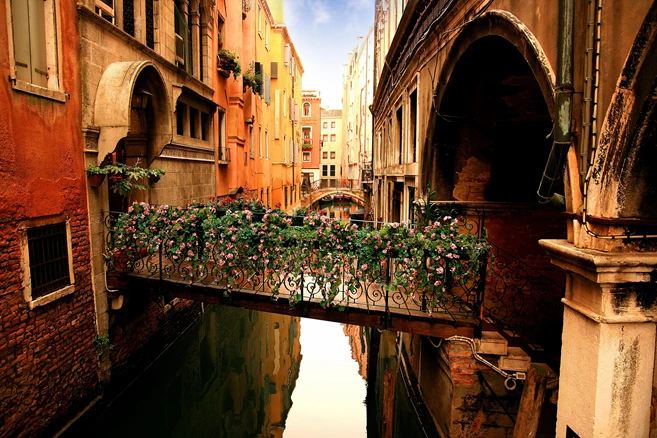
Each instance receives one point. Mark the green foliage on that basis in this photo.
(229, 60)
(102, 344)
(96, 170)
(125, 179)
(252, 80)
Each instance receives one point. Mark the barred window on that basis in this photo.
(49, 259)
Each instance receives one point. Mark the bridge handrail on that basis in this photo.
(321, 259)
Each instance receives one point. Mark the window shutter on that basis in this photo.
(19, 16)
(267, 90)
(274, 70)
(286, 55)
(39, 63)
(258, 71)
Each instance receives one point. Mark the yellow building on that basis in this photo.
(277, 113)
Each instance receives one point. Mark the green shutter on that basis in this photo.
(21, 34)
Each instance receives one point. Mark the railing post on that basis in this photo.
(160, 261)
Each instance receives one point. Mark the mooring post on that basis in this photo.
(531, 402)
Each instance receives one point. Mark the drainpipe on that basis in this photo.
(563, 102)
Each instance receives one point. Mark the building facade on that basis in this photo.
(332, 148)
(48, 362)
(358, 84)
(311, 131)
(486, 104)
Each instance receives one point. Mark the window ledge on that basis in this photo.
(47, 93)
(47, 299)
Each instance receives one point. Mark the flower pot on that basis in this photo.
(223, 72)
(153, 179)
(96, 179)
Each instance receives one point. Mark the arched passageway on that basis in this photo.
(492, 127)
(490, 143)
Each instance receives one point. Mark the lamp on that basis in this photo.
(140, 99)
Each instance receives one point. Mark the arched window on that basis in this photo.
(306, 109)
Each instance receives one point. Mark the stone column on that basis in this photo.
(608, 351)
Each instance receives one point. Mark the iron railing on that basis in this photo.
(518, 298)
(351, 284)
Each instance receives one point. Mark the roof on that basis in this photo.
(331, 113)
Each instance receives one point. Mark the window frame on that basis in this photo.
(54, 90)
(309, 106)
(304, 154)
(25, 260)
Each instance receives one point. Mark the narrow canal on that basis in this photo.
(242, 373)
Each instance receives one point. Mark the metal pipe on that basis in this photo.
(563, 102)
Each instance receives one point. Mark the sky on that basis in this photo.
(323, 33)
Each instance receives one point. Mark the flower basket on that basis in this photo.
(306, 146)
(95, 180)
(153, 179)
(227, 63)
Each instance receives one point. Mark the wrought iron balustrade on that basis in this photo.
(518, 298)
(295, 271)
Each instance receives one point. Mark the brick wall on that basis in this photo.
(48, 364)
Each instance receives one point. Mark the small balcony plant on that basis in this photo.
(124, 179)
(96, 175)
(252, 80)
(228, 62)
(307, 144)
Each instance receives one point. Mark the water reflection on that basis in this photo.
(330, 394)
(239, 373)
(338, 209)
(231, 375)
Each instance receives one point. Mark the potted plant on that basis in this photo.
(96, 175)
(306, 145)
(228, 62)
(252, 80)
(125, 179)
(155, 175)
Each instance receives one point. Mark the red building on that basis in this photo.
(311, 124)
(48, 363)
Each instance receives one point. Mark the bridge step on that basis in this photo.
(515, 360)
(492, 343)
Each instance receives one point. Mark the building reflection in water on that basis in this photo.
(231, 375)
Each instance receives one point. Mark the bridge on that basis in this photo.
(323, 188)
(433, 280)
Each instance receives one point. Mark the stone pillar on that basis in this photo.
(608, 351)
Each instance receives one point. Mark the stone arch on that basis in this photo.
(624, 174)
(505, 27)
(115, 98)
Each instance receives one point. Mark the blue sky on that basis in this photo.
(324, 32)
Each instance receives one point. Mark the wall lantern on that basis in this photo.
(140, 99)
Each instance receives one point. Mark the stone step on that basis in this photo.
(515, 360)
(492, 343)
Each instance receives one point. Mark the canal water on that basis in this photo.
(242, 373)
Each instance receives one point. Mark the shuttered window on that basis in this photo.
(29, 34)
(267, 90)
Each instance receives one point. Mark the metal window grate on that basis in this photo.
(48, 252)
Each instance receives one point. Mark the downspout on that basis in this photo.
(563, 102)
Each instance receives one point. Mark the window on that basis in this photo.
(47, 262)
(325, 125)
(260, 141)
(266, 35)
(306, 157)
(325, 155)
(181, 118)
(35, 55)
(193, 123)
(259, 18)
(332, 124)
(332, 137)
(306, 109)
(332, 155)
(399, 133)
(324, 170)
(105, 8)
(325, 137)
(284, 103)
(267, 144)
(307, 132)
(332, 170)
(413, 121)
(251, 142)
